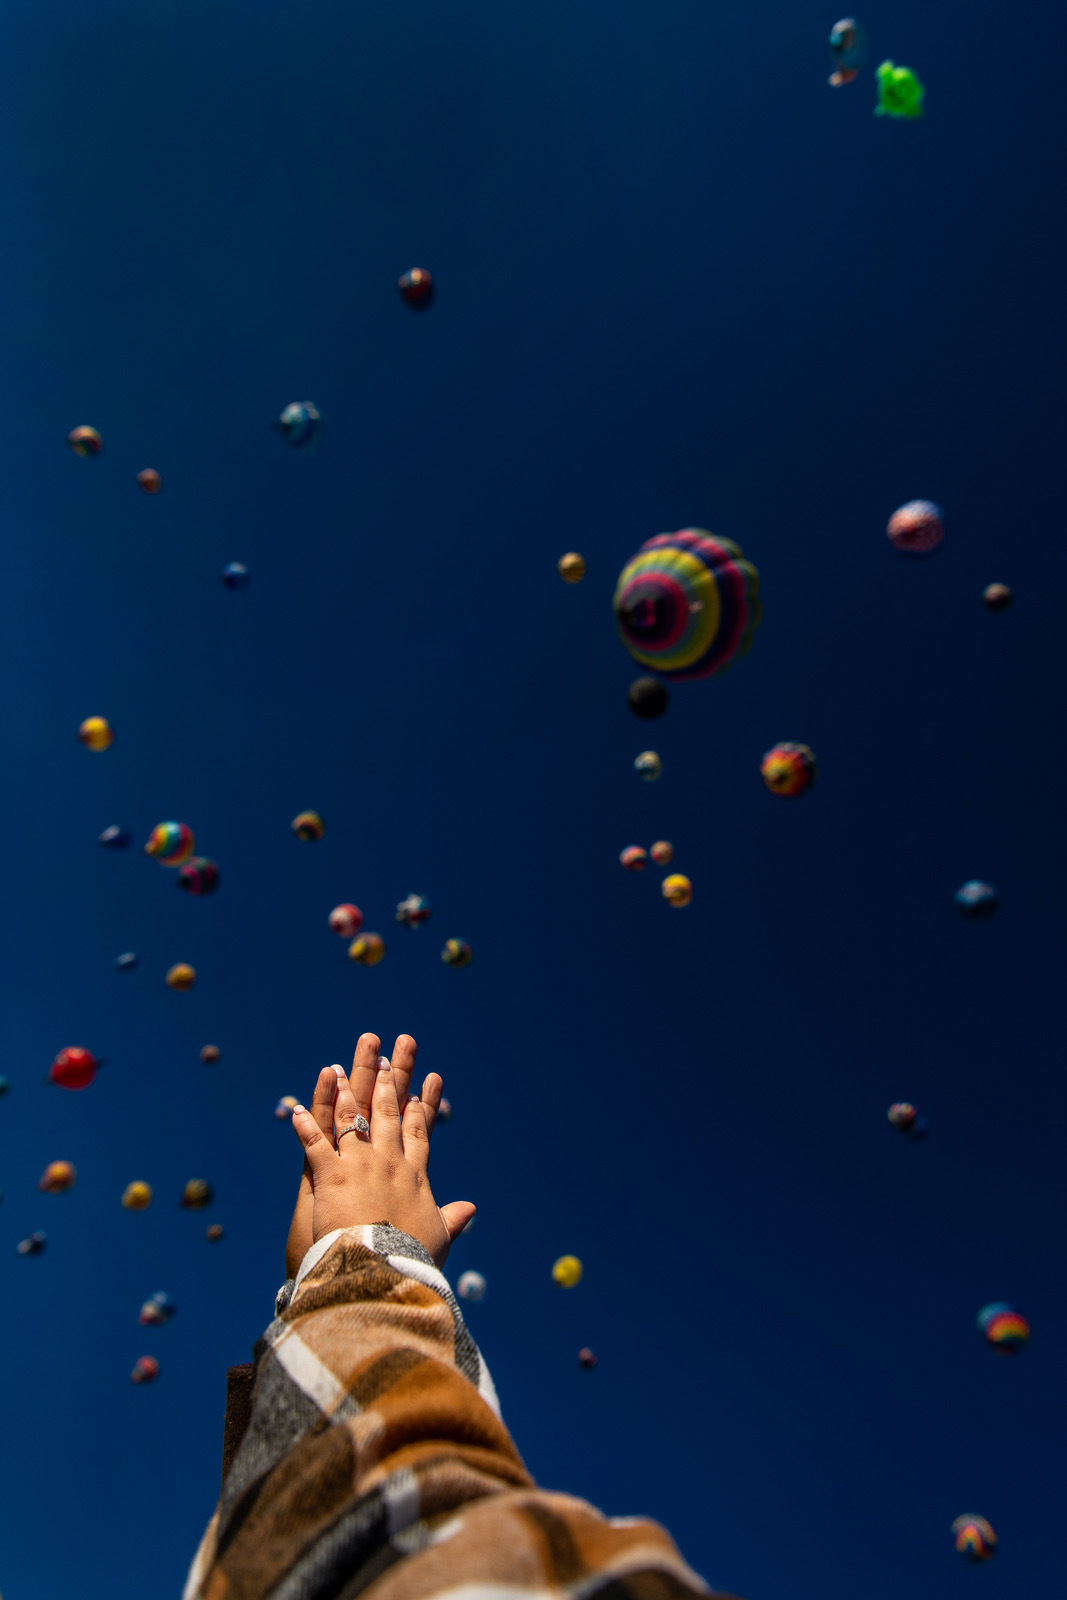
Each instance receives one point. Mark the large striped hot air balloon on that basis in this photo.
(687, 604)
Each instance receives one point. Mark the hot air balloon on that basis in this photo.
(73, 1068)
(96, 733)
(677, 889)
(33, 1244)
(149, 480)
(209, 1054)
(586, 1359)
(4, 1087)
(85, 441)
(788, 769)
(647, 698)
(137, 1196)
(900, 94)
(367, 948)
(414, 910)
(906, 1119)
(171, 843)
(571, 567)
(471, 1286)
(997, 597)
(444, 1113)
(300, 424)
(917, 528)
(346, 920)
(567, 1272)
(57, 1176)
(308, 825)
(115, 837)
(417, 288)
(126, 961)
(976, 900)
(648, 765)
(457, 953)
(145, 1370)
(633, 858)
(973, 1537)
(157, 1309)
(235, 575)
(687, 604)
(662, 853)
(285, 1107)
(199, 876)
(197, 1194)
(213, 1232)
(848, 51)
(180, 977)
(1006, 1329)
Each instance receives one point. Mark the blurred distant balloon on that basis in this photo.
(300, 424)
(197, 1194)
(906, 1119)
(677, 889)
(648, 765)
(471, 1286)
(85, 441)
(788, 769)
(1004, 1328)
(73, 1068)
(974, 1537)
(917, 528)
(662, 852)
(457, 953)
(571, 567)
(586, 1359)
(57, 1176)
(848, 51)
(213, 1232)
(145, 1370)
(444, 1113)
(126, 961)
(997, 597)
(687, 604)
(414, 910)
(115, 837)
(900, 94)
(567, 1272)
(346, 920)
(4, 1087)
(199, 876)
(209, 1054)
(368, 949)
(417, 288)
(137, 1196)
(157, 1309)
(150, 480)
(647, 698)
(633, 858)
(96, 734)
(976, 900)
(180, 977)
(236, 575)
(33, 1244)
(170, 843)
(308, 825)
(285, 1107)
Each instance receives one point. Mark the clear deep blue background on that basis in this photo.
(680, 281)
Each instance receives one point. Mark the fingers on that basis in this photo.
(323, 1099)
(403, 1066)
(416, 1135)
(385, 1134)
(455, 1217)
(431, 1100)
(318, 1149)
(354, 1094)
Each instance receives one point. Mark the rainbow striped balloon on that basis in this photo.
(687, 604)
(974, 1537)
(1003, 1327)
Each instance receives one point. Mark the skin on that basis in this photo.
(380, 1176)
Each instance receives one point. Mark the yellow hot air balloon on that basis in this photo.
(137, 1196)
(567, 1272)
(677, 889)
(571, 567)
(96, 733)
(181, 976)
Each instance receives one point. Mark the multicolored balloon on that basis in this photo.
(974, 1537)
(180, 977)
(33, 1244)
(197, 1194)
(917, 528)
(309, 826)
(414, 910)
(56, 1177)
(300, 424)
(235, 575)
(1006, 1329)
(115, 838)
(647, 698)
(145, 1370)
(687, 604)
(634, 858)
(471, 1286)
(997, 597)
(788, 769)
(171, 843)
(457, 953)
(96, 733)
(417, 288)
(848, 51)
(571, 567)
(906, 1119)
(648, 765)
(976, 899)
(285, 1107)
(85, 441)
(368, 949)
(662, 852)
(900, 94)
(157, 1309)
(346, 920)
(137, 1196)
(677, 890)
(73, 1067)
(199, 876)
(567, 1272)
(149, 480)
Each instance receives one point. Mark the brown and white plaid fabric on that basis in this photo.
(372, 1453)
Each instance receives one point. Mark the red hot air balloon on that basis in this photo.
(73, 1068)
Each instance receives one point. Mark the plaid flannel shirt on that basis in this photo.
(365, 1447)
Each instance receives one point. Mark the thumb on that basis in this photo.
(455, 1217)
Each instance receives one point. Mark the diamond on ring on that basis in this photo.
(362, 1125)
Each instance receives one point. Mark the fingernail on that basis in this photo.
(413, 1099)
(384, 1064)
(298, 1108)
(340, 1071)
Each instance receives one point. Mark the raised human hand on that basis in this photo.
(383, 1177)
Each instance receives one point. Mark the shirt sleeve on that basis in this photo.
(374, 1452)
